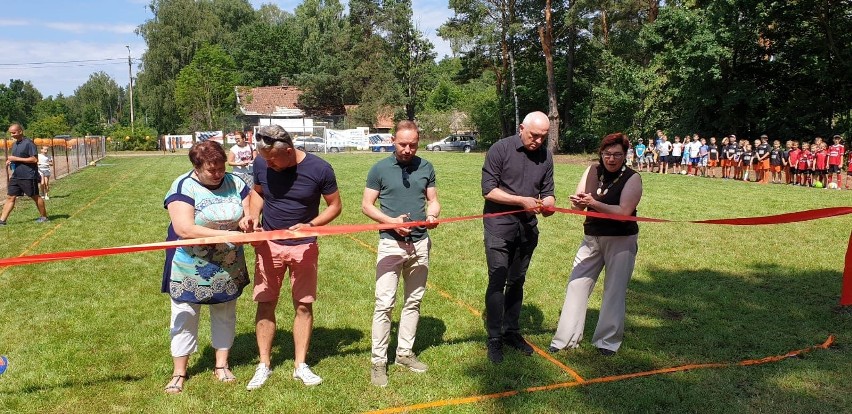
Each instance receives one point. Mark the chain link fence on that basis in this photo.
(69, 154)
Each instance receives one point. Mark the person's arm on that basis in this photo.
(251, 218)
(576, 198)
(232, 160)
(630, 197)
(182, 215)
(433, 207)
(368, 207)
(333, 207)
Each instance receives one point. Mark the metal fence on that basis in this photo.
(69, 154)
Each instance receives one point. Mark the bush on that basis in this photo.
(141, 138)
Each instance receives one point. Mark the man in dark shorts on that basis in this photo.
(25, 178)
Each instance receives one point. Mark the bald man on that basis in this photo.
(23, 161)
(517, 175)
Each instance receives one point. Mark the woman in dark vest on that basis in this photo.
(610, 187)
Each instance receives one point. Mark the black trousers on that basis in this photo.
(508, 261)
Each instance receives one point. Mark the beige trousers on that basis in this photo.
(411, 262)
(618, 255)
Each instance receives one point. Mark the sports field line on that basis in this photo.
(614, 378)
(56, 226)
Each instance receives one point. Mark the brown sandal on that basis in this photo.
(173, 387)
(226, 376)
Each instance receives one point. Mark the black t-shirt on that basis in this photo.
(25, 148)
(776, 156)
(714, 151)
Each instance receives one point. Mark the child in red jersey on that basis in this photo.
(835, 159)
(793, 161)
(805, 165)
(821, 163)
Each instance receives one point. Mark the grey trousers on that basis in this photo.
(618, 255)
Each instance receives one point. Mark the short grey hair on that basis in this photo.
(274, 133)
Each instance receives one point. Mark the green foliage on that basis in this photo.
(49, 127)
(17, 102)
(138, 138)
(204, 90)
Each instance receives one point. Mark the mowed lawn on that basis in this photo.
(91, 335)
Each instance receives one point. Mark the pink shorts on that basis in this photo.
(271, 266)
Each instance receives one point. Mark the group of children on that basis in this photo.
(815, 164)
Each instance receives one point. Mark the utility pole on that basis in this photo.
(130, 73)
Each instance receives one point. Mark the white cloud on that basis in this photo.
(10, 22)
(80, 28)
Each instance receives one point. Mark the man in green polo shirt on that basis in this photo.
(404, 185)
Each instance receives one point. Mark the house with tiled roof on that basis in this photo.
(279, 105)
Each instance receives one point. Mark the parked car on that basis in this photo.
(454, 142)
(314, 144)
(381, 143)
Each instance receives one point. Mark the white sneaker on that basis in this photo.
(305, 374)
(261, 374)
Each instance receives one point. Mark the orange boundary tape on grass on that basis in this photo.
(612, 378)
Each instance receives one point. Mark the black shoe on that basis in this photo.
(495, 350)
(515, 340)
(552, 349)
(606, 352)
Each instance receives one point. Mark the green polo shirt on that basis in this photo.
(402, 190)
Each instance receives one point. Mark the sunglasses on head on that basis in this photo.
(268, 140)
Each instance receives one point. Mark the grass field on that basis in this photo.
(91, 335)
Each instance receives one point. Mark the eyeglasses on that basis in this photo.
(615, 155)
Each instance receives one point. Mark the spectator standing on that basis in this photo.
(746, 159)
(703, 157)
(788, 146)
(651, 155)
(713, 159)
(761, 149)
(288, 185)
(820, 163)
(517, 175)
(677, 155)
(664, 148)
(23, 161)
(44, 163)
(835, 159)
(793, 161)
(640, 149)
(693, 151)
(240, 158)
(404, 185)
(805, 165)
(776, 161)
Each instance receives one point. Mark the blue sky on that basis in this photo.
(87, 36)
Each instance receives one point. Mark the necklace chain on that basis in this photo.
(602, 191)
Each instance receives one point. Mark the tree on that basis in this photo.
(324, 35)
(204, 90)
(18, 101)
(97, 102)
(49, 127)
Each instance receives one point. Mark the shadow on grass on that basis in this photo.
(325, 342)
(691, 316)
(91, 382)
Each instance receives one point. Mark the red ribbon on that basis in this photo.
(356, 228)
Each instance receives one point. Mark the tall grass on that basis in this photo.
(91, 335)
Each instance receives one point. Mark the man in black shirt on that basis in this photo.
(25, 177)
(517, 175)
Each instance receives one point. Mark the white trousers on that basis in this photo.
(411, 262)
(184, 326)
(618, 255)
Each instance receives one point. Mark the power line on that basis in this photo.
(64, 63)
